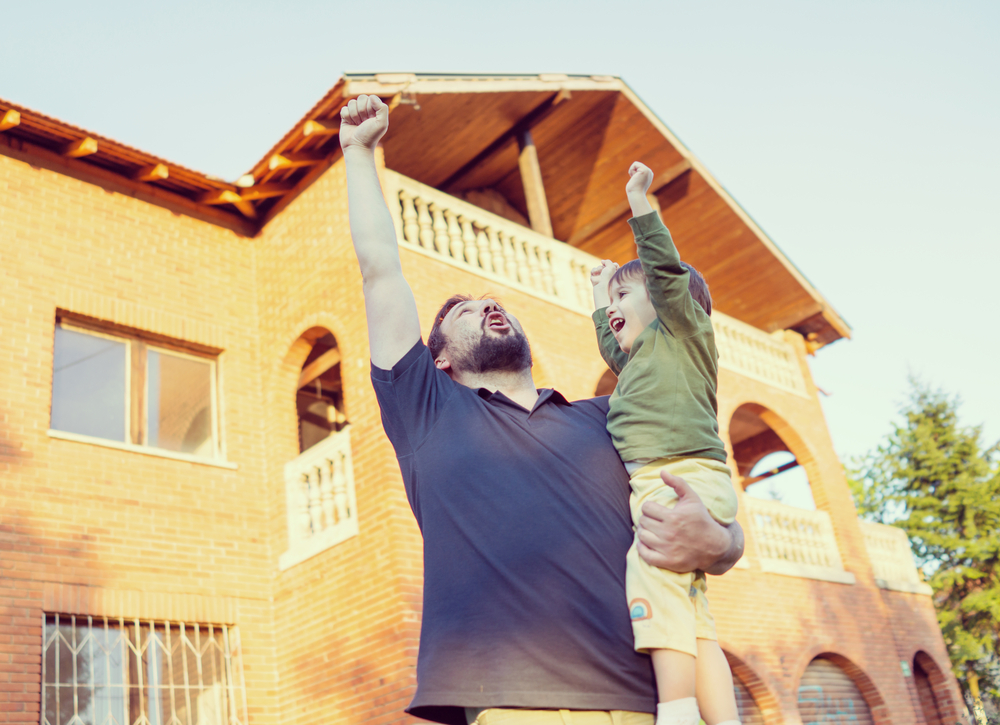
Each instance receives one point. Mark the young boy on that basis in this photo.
(654, 332)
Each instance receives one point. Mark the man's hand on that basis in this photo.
(686, 537)
(640, 178)
(363, 122)
(599, 277)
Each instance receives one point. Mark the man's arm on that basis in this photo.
(686, 538)
(393, 325)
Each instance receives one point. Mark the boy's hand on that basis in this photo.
(640, 178)
(603, 274)
(363, 122)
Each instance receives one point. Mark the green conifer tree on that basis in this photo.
(934, 479)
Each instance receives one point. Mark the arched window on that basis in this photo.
(766, 463)
(319, 400)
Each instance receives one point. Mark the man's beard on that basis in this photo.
(507, 353)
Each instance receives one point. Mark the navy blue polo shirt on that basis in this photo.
(526, 524)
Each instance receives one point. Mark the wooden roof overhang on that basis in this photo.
(459, 132)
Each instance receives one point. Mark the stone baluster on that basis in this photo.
(411, 229)
(340, 488)
(523, 273)
(509, 261)
(326, 485)
(426, 224)
(545, 263)
(496, 251)
(483, 247)
(303, 524)
(534, 268)
(315, 502)
(441, 238)
(469, 241)
(584, 290)
(455, 245)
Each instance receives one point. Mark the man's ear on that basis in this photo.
(442, 363)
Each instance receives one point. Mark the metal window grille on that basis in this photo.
(113, 671)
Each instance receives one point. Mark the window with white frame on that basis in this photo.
(116, 671)
(125, 388)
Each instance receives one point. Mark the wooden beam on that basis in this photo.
(265, 191)
(773, 472)
(10, 119)
(246, 181)
(622, 207)
(534, 189)
(82, 147)
(154, 172)
(319, 366)
(530, 119)
(294, 159)
(317, 127)
(228, 196)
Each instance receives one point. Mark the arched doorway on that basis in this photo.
(931, 689)
(749, 712)
(319, 399)
(765, 461)
(753, 699)
(828, 695)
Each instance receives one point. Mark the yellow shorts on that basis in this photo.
(501, 716)
(670, 610)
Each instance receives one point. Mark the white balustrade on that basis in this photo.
(795, 542)
(751, 352)
(466, 236)
(461, 234)
(319, 487)
(892, 560)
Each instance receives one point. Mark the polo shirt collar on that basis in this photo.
(545, 395)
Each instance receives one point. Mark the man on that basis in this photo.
(520, 496)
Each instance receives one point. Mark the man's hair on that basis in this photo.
(436, 340)
(697, 285)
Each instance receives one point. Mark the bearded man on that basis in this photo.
(521, 498)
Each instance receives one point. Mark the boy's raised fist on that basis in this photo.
(363, 122)
(640, 177)
(603, 273)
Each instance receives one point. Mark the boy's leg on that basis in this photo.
(716, 696)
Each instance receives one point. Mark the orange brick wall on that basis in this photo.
(333, 638)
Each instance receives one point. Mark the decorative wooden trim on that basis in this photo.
(154, 172)
(82, 147)
(10, 119)
(102, 602)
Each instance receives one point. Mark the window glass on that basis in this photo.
(89, 385)
(179, 404)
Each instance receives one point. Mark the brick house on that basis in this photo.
(202, 520)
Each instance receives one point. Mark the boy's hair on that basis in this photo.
(697, 285)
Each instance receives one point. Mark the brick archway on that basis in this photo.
(767, 704)
(866, 686)
(933, 689)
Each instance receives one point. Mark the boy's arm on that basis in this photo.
(393, 325)
(610, 351)
(666, 280)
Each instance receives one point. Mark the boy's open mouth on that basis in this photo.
(617, 323)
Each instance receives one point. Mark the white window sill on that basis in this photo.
(901, 586)
(806, 571)
(144, 450)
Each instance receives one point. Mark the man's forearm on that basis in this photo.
(728, 560)
(371, 224)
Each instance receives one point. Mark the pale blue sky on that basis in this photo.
(862, 136)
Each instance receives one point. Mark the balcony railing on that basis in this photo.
(795, 542)
(465, 236)
(892, 560)
(319, 489)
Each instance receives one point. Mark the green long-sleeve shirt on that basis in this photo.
(664, 404)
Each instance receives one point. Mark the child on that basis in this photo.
(654, 332)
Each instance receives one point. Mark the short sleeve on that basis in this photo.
(411, 396)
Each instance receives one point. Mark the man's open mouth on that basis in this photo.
(496, 321)
(617, 323)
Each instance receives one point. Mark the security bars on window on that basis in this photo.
(112, 671)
